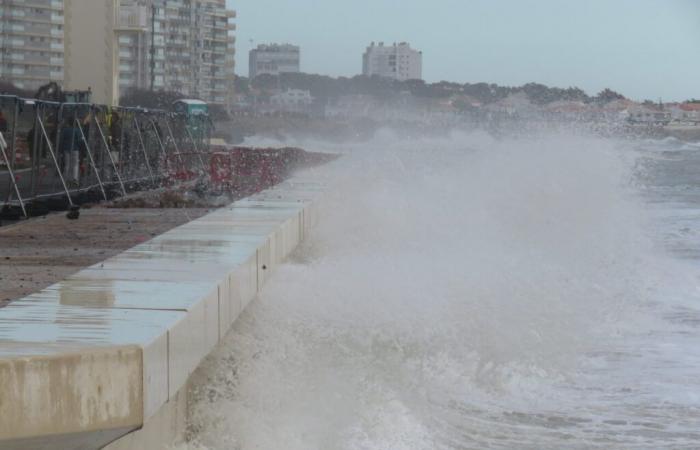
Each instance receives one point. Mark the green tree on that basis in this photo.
(241, 85)
(265, 83)
(608, 95)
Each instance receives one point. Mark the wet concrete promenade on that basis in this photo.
(99, 354)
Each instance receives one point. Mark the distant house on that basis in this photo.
(617, 110)
(292, 98)
(569, 110)
(515, 105)
(647, 115)
(619, 105)
(353, 105)
(685, 112)
(287, 101)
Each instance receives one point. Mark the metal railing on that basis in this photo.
(57, 155)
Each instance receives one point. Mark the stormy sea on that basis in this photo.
(472, 292)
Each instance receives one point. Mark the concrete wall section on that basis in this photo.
(168, 422)
(110, 349)
(70, 397)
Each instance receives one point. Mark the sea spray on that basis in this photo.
(461, 292)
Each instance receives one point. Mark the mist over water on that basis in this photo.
(468, 292)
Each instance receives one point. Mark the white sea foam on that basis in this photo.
(465, 292)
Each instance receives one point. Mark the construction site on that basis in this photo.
(82, 182)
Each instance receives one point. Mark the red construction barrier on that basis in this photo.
(249, 170)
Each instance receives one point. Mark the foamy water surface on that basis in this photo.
(469, 293)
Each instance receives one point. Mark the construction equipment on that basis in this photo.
(52, 92)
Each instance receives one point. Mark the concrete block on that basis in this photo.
(280, 245)
(293, 237)
(164, 429)
(155, 375)
(264, 262)
(186, 347)
(110, 349)
(244, 286)
(225, 306)
(45, 399)
(211, 322)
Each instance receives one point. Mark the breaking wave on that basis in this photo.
(466, 292)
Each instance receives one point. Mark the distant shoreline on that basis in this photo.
(298, 126)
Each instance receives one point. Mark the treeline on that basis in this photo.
(325, 88)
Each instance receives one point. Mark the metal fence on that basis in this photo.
(58, 155)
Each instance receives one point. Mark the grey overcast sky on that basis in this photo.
(642, 48)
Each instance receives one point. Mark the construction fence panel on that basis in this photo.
(59, 155)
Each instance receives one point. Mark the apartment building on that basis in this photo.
(133, 46)
(110, 46)
(397, 61)
(274, 59)
(31, 42)
(177, 45)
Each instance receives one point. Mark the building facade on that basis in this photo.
(111, 46)
(397, 61)
(31, 42)
(177, 45)
(274, 59)
(90, 49)
(133, 45)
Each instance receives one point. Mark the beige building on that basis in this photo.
(90, 48)
(31, 42)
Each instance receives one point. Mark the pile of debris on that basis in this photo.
(40, 252)
(234, 173)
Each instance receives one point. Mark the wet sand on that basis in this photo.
(36, 253)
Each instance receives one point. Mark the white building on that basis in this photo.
(398, 61)
(292, 97)
(274, 59)
(134, 46)
(685, 112)
(177, 45)
(647, 115)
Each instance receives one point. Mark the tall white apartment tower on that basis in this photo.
(133, 45)
(31, 42)
(177, 45)
(397, 61)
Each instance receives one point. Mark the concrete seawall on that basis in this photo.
(103, 357)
